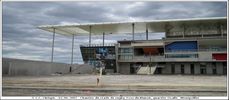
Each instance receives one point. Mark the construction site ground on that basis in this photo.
(115, 85)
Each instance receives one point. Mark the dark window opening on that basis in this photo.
(182, 69)
(192, 68)
(132, 69)
(214, 68)
(224, 68)
(158, 71)
(203, 69)
(173, 68)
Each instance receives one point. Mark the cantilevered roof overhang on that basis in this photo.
(149, 26)
(123, 27)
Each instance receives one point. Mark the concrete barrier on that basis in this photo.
(19, 67)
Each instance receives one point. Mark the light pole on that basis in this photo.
(53, 40)
(150, 64)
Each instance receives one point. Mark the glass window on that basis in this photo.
(126, 50)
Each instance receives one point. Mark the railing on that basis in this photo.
(212, 50)
(97, 45)
(207, 32)
(193, 50)
(149, 58)
(175, 34)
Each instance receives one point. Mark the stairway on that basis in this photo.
(146, 70)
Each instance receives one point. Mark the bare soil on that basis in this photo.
(116, 85)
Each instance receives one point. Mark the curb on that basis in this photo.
(116, 89)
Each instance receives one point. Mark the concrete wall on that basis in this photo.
(5, 66)
(209, 68)
(187, 68)
(116, 57)
(167, 69)
(219, 68)
(82, 69)
(17, 67)
(205, 56)
(124, 68)
(197, 68)
(177, 68)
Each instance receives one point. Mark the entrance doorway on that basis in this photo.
(224, 68)
(158, 71)
(132, 69)
(192, 68)
(173, 68)
(202, 69)
(214, 68)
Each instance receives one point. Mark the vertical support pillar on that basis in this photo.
(198, 46)
(164, 48)
(72, 49)
(132, 31)
(147, 32)
(53, 40)
(150, 65)
(103, 57)
(199, 29)
(90, 36)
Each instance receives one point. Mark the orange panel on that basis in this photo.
(151, 50)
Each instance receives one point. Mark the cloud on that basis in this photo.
(21, 38)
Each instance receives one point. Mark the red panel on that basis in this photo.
(219, 56)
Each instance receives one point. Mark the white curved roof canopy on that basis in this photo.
(123, 27)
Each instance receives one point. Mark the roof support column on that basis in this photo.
(132, 31)
(90, 36)
(72, 49)
(221, 29)
(103, 38)
(53, 40)
(184, 31)
(201, 31)
(146, 32)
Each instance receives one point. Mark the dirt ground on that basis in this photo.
(115, 85)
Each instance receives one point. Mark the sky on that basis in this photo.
(22, 40)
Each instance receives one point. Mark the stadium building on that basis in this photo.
(190, 46)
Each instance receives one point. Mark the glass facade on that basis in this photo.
(94, 56)
(126, 53)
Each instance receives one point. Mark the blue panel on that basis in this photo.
(182, 46)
